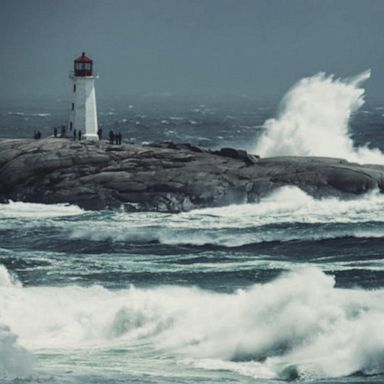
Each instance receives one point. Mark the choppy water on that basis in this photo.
(291, 288)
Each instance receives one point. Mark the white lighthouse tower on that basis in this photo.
(83, 116)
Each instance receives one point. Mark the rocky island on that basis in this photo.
(165, 177)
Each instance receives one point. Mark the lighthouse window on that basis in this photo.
(74, 87)
(73, 106)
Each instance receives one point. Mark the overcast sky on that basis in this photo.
(211, 47)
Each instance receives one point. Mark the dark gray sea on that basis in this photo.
(289, 289)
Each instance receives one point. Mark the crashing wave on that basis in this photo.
(238, 225)
(314, 121)
(298, 324)
(15, 360)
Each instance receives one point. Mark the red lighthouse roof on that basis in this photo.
(83, 59)
(83, 66)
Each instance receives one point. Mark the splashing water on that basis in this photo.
(298, 322)
(238, 225)
(15, 361)
(314, 121)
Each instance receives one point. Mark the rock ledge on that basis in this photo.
(165, 176)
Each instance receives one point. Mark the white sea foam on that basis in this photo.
(291, 204)
(6, 279)
(314, 121)
(238, 225)
(42, 114)
(15, 361)
(298, 324)
(37, 211)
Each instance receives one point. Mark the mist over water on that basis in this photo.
(314, 120)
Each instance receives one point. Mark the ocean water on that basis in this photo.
(289, 289)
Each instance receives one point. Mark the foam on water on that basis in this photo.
(238, 225)
(6, 279)
(37, 211)
(15, 361)
(314, 121)
(297, 325)
(292, 205)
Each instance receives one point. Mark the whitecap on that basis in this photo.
(314, 121)
(298, 324)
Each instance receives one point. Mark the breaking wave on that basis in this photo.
(15, 361)
(37, 211)
(238, 225)
(298, 325)
(314, 121)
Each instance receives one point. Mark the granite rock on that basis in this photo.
(165, 177)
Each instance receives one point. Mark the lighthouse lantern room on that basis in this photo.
(83, 115)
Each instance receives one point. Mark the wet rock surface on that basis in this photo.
(165, 177)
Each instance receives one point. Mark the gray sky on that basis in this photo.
(210, 47)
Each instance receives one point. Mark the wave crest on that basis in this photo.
(297, 323)
(314, 121)
(15, 361)
(239, 225)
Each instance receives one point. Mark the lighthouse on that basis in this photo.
(83, 115)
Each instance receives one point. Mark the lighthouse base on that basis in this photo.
(91, 137)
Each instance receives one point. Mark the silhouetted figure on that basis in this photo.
(111, 136)
(55, 132)
(119, 138)
(37, 135)
(79, 134)
(63, 133)
(116, 138)
(74, 134)
(100, 133)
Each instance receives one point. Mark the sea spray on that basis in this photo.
(7, 279)
(298, 324)
(15, 361)
(35, 211)
(314, 121)
(237, 225)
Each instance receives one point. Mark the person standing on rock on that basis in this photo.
(80, 134)
(100, 133)
(111, 136)
(119, 137)
(74, 134)
(55, 132)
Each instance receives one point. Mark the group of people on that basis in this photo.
(37, 135)
(77, 134)
(62, 131)
(115, 137)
